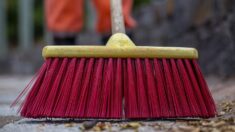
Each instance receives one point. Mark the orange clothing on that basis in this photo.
(67, 15)
(64, 15)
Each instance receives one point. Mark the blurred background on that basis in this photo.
(208, 25)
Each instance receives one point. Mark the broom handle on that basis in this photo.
(117, 17)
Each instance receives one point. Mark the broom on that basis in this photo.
(118, 81)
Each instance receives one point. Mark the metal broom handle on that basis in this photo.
(117, 16)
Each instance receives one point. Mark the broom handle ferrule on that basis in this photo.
(117, 17)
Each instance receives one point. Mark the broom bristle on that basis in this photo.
(103, 88)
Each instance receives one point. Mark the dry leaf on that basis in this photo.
(194, 123)
(189, 129)
(96, 128)
(176, 130)
(102, 126)
(215, 130)
(132, 125)
(219, 124)
(227, 106)
(208, 123)
(186, 128)
(157, 127)
(82, 128)
(228, 129)
(196, 129)
(69, 124)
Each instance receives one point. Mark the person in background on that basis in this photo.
(64, 18)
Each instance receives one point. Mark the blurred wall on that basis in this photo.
(208, 25)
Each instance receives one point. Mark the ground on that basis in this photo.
(223, 91)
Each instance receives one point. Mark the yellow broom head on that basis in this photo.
(119, 46)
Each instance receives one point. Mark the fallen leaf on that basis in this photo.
(156, 127)
(196, 129)
(219, 124)
(189, 128)
(69, 124)
(96, 128)
(194, 123)
(186, 128)
(215, 130)
(102, 126)
(208, 123)
(227, 106)
(132, 125)
(228, 128)
(222, 113)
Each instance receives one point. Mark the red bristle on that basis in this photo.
(117, 95)
(44, 92)
(180, 90)
(65, 89)
(192, 101)
(102, 88)
(92, 110)
(209, 102)
(108, 85)
(35, 99)
(110, 88)
(196, 89)
(53, 94)
(163, 101)
(39, 91)
(112, 85)
(27, 103)
(90, 88)
(141, 89)
(131, 98)
(27, 88)
(83, 99)
(125, 89)
(76, 89)
(100, 111)
(52, 72)
(153, 101)
(173, 104)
